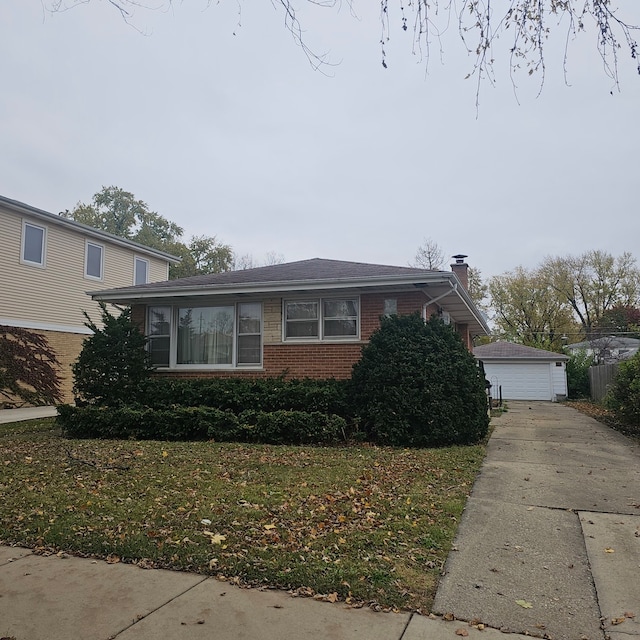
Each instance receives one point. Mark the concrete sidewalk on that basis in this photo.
(547, 546)
(26, 413)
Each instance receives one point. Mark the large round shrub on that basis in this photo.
(418, 385)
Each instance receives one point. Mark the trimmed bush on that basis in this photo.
(418, 385)
(238, 394)
(201, 423)
(292, 427)
(142, 423)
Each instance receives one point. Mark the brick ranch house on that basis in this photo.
(300, 319)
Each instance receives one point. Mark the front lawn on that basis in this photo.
(360, 524)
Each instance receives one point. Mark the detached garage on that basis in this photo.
(524, 373)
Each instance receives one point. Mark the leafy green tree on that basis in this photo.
(478, 289)
(117, 211)
(530, 311)
(592, 283)
(113, 363)
(418, 385)
(202, 255)
(621, 321)
(28, 368)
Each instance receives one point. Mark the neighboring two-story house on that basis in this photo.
(47, 265)
(300, 319)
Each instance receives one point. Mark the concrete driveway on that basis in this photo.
(549, 544)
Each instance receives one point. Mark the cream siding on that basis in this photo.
(55, 296)
(272, 310)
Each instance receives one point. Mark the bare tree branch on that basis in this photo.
(527, 23)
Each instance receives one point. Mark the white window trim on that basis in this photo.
(321, 337)
(87, 275)
(135, 270)
(43, 263)
(173, 342)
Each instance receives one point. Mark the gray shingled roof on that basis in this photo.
(607, 342)
(509, 350)
(315, 269)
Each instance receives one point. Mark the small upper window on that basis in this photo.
(93, 261)
(141, 271)
(33, 244)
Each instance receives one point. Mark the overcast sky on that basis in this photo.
(219, 123)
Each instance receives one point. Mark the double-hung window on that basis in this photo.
(140, 271)
(249, 333)
(322, 319)
(33, 244)
(93, 260)
(159, 335)
(220, 336)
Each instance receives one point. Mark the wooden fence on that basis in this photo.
(600, 377)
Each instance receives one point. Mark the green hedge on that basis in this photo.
(238, 395)
(201, 423)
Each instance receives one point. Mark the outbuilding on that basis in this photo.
(517, 372)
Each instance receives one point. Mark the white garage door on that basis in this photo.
(520, 381)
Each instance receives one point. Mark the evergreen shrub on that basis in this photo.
(418, 385)
(624, 394)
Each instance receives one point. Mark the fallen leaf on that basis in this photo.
(332, 597)
(462, 632)
(205, 521)
(165, 454)
(524, 604)
(268, 527)
(448, 617)
(628, 614)
(608, 550)
(216, 538)
(618, 620)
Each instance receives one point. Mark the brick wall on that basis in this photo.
(67, 347)
(312, 360)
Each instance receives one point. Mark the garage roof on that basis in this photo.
(512, 351)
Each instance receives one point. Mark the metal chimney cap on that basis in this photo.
(459, 258)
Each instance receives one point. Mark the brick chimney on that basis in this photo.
(461, 269)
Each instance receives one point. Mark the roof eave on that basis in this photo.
(133, 295)
(138, 293)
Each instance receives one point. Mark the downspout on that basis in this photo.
(454, 288)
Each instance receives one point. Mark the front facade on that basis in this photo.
(47, 265)
(303, 319)
(517, 372)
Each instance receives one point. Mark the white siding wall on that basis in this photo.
(55, 296)
(526, 380)
(559, 376)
